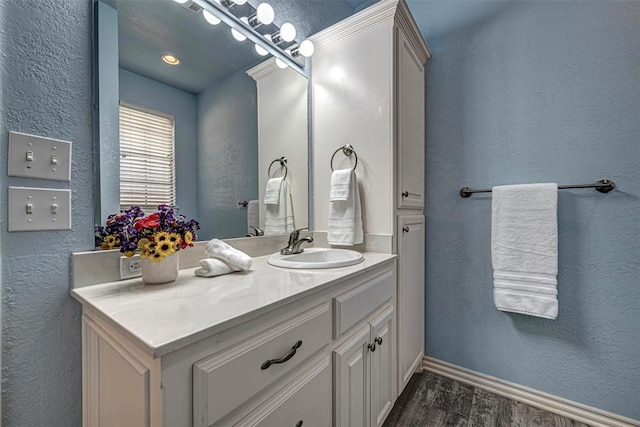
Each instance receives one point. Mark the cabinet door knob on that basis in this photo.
(405, 229)
(372, 347)
(405, 194)
(283, 359)
(299, 423)
(378, 340)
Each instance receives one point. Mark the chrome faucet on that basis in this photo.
(257, 232)
(294, 243)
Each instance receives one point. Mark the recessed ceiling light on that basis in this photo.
(170, 59)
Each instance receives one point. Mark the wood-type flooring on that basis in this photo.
(430, 400)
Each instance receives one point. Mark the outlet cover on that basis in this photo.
(130, 267)
(39, 209)
(38, 157)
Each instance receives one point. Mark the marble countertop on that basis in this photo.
(163, 318)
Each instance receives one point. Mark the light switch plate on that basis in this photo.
(42, 203)
(33, 156)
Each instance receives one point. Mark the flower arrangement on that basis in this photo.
(156, 236)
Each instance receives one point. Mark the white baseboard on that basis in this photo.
(548, 402)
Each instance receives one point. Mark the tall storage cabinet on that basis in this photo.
(368, 91)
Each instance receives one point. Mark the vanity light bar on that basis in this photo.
(236, 23)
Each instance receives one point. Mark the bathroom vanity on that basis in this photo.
(270, 347)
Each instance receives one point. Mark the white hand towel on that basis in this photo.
(218, 249)
(345, 216)
(272, 192)
(279, 217)
(524, 249)
(340, 185)
(211, 267)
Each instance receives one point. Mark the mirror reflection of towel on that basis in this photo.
(279, 216)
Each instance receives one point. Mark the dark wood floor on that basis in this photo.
(430, 400)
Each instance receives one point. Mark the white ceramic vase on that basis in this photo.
(157, 273)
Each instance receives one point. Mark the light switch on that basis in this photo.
(39, 209)
(33, 156)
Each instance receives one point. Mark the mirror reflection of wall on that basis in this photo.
(213, 103)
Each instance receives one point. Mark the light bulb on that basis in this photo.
(240, 2)
(287, 32)
(261, 51)
(280, 63)
(210, 17)
(306, 48)
(237, 34)
(265, 13)
(181, 1)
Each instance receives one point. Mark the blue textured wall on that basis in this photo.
(145, 92)
(45, 72)
(227, 155)
(541, 92)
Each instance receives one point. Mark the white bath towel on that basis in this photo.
(278, 218)
(211, 267)
(524, 249)
(340, 185)
(216, 248)
(272, 191)
(345, 216)
(253, 215)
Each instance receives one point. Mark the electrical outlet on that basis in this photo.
(130, 267)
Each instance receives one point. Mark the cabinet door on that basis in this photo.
(351, 380)
(411, 285)
(382, 366)
(409, 126)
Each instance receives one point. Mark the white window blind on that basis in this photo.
(147, 167)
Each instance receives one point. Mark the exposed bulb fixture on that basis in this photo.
(237, 34)
(181, 1)
(170, 59)
(210, 17)
(261, 51)
(264, 15)
(229, 3)
(280, 63)
(305, 49)
(287, 33)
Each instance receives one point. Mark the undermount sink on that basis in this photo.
(317, 258)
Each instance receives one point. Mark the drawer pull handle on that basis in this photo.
(405, 194)
(299, 423)
(405, 229)
(292, 353)
(372, 347)
(378, 340)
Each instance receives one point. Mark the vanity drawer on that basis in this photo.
(356, 304)
(305, 402)
(225, 380)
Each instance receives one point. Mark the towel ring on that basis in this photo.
(283, 162)
(348, 150)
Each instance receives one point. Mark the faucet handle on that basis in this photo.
(296, 233)
(259, 231)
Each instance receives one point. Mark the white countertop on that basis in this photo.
(164, 318)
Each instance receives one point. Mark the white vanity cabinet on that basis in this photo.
(287, 361)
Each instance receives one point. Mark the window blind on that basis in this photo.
(147, 167)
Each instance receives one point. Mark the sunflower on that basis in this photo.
(111, 241)
(156, 257)
(174, 238)
(143, 244)
(188, 237)
(161, 236)
(165, 248)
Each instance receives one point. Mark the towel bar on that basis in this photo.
(348, 150)
(603, 186)
(283, 163)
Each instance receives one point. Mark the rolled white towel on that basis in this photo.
(216, 248)
(211, 267)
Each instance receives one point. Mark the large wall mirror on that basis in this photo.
(170, 70)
